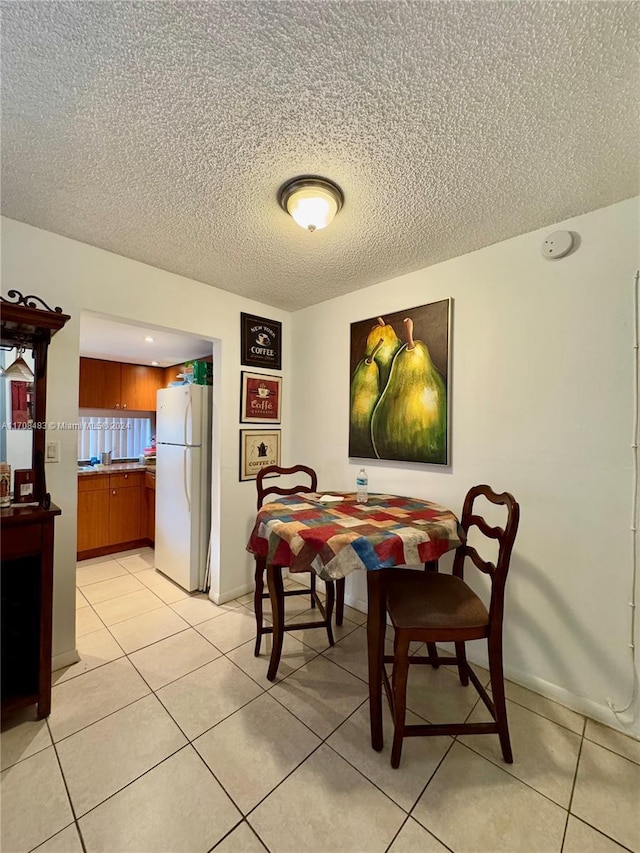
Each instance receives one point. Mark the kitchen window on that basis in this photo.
(126, 437)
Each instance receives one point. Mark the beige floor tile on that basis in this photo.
(438, 696)
(106, 756)
(23, 738)
(262, 736)
(152, 577)
(317, 637)
(87, 621)
(351, 653)
(128, 606)
(134, 634)
(413, 838)
(242, 840)
(229, 630)
(420, 756)
(137, 561)
(35, 805)
(320, 789)
(67, 841)
(613, 740)
(166, 590)
(112, 588)
(472, 806)
(294, 655)
(176, 807)
(170, 659)
(552, 710)
(320, 694)
(606, 794)
(198, 608)
(202, 698)
(94, 561)
(95, 649)
(98, 572)
(545, 755)
(81, 601)
(90, 697)
(293, 604)
(581, 838)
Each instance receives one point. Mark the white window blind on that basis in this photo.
(126, 437)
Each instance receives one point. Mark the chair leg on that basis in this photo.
(399, 688)
(328, 609)
(276, 594)
(339, 601)
(461, 654)
(432, 649)
(257, 601)
(497, 689)
(313, 589)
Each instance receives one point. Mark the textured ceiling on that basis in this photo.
(162, 131)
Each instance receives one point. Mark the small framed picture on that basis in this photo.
(258, 449)
(260, 342)
(23, 486)
(260, 398)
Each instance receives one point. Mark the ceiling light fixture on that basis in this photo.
(311, 201)
(19, 370)
(155, 363)
(149, 339)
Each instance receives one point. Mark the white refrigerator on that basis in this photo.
(183, 484)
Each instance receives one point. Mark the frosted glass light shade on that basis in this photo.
(19, 370)
(312, 202)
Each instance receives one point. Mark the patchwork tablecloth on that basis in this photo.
(335, 539)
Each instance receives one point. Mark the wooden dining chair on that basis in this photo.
(433, 607)
(334, 593)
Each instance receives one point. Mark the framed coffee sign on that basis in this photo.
(258, 449)
(261, 342)
(260, 398)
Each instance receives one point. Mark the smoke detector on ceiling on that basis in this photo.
(557, 245)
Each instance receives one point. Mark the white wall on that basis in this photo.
(76, 277)
(542, 406)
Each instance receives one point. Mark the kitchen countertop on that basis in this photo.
(115, 468)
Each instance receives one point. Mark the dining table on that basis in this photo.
(331, 534)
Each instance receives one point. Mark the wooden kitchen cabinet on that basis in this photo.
(109, 512)
(148, 525)
(112, 385)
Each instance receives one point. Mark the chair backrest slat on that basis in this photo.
(312, 486)
(484, 565)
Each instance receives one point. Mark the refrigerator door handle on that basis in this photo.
(186, 419)
(186, 485)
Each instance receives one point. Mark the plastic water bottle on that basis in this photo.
(362, 482)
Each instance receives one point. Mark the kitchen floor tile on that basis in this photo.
(97, 572)
(112, 588)
(317, 637)
(136, 561)
(164, 589)
(87, 621)
(128, 606)
(242, 840)
(94, 561)
(81, 601)
(471, 805)
(176, 806)
(170, 659)
(67, 841)
(437, 695)
(545, 755)
(294, 655)
(264, 736)
(420, 755)
(35, 804)
(106, 756)
(134, 634)
(202, 698)
(229, 630)
(606, 794)
(413, 838)
(318, 789)
(613, 740)
(541, 705)
(320, 694)
(581, 838)
(351, 653)
(84, 700)
(24, 736)
(198, 608)
(95, 649)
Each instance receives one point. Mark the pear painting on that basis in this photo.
(399, 386)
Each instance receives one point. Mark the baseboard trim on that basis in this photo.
(230, 594)
(113, 549)
(64, 659)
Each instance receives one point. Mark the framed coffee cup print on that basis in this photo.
(260, 398)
